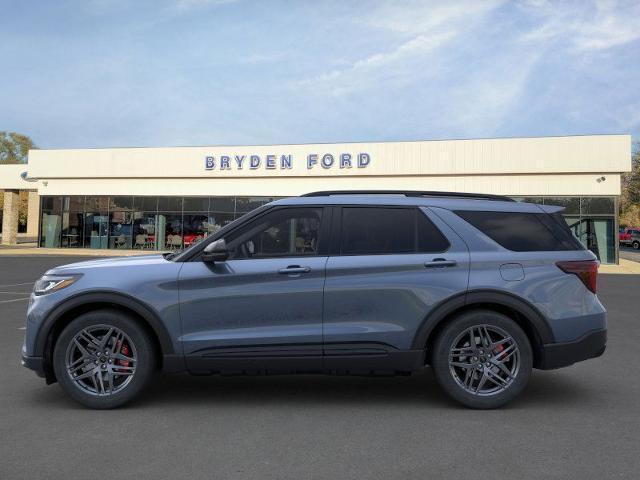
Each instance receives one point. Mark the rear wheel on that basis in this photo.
(103, 359)
(482, 359)
(636, 245)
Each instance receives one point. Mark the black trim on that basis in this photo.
(173, 363)
(449, 305)
(34, 363)
(253, 365)
(106, 296)
(523, 307)
(347, 362)
(389, 363)
(411, 193)
(557, 355)
(336, 231)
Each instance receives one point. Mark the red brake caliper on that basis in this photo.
(499, 349)
(125, 351)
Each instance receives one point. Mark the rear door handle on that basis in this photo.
(440, 263)
(294, 269)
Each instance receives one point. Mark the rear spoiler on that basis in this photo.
(551, 208)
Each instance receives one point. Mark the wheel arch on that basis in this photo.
(75, 306)
(522, 312)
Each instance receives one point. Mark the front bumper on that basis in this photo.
(34, 363)
(557, 355)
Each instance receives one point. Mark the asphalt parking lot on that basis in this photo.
(580, 422)
(629, 253)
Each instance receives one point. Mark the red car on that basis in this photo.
(629, 236)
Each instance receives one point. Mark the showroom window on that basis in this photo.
(145, 223)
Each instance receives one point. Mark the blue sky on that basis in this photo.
(205, 72)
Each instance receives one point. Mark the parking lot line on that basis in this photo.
(14, 300)
(15, 293)
(17, 284)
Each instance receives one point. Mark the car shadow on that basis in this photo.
(545, 389)
(419, 389)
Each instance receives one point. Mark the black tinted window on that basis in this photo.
(372, 230)
(282, 233)
(524, 232)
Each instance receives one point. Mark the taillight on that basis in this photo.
(587, 271)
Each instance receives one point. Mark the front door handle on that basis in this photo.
(294, 269)
(440, 263)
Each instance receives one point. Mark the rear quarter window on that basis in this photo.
(523, 232)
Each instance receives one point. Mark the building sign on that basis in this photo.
(285, 162)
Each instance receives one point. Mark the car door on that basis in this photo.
(262, 307)
(388, 268)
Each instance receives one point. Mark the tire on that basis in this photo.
(108, 376)
(636, 245)
(458, 382)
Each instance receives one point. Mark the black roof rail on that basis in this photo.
(411, 193)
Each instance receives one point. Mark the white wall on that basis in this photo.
(515, 166)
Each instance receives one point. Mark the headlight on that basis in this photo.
(52, 283)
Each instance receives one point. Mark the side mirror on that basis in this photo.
(216, 251)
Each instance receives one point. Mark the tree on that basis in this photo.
(630, 198)
(14, 147)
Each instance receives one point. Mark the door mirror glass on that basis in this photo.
(216, 251)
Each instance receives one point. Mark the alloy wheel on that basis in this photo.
(484, 360)
(101, 360)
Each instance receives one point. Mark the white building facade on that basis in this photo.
(164, 198)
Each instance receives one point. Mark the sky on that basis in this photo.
(115, 73)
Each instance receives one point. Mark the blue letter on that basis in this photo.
(363, 160)
(345, 160)
(285, 161)
(254, 162)
(209, 163)
(327, 160)
(240, 161)
(271, 162)
(224, 163)
(312, 159)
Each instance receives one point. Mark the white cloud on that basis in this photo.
(185, 5)
(599, 26)
(366, 71)
(264, 57)
(479, 106)
(420, 30)
(418, 16)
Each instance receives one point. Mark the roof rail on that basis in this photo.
(411, 193)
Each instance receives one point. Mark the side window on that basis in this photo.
(524, 232)
(377, 230)
(282, 233)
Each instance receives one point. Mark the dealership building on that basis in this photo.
(168, 198)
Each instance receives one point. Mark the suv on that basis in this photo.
(479, 287)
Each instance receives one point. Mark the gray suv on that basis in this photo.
(480, 288)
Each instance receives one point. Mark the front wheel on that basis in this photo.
(636, 245)
(103, 359)
(482, 359)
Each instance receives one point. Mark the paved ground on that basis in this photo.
(629, 253)
(582, 422)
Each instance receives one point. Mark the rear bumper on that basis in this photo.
(557, 355)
